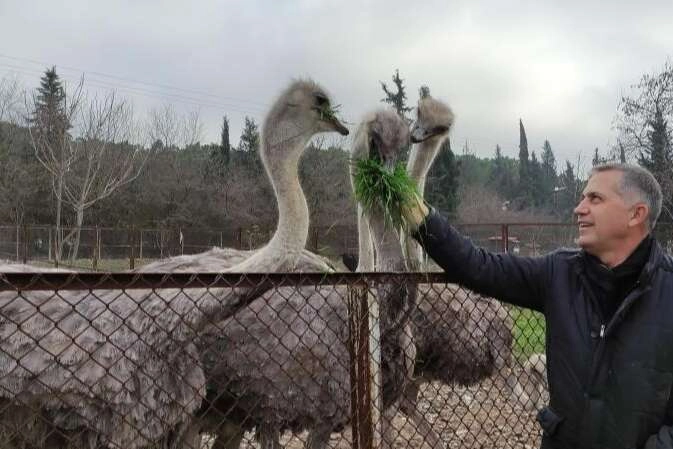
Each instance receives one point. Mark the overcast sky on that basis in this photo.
(560, 66)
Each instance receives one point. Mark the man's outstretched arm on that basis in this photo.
(514, 279)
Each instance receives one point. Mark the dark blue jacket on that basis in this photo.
(610, 381)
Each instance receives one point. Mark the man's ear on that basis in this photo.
(639, 214)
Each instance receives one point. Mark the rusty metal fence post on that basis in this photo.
(26, 238)
(364, 346)
(132, 261)
(505, 237)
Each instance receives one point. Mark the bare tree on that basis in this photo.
(638, 114)
(52, 109)
(644, 125)
(89, 146)
(10, 99)
(108, 156)
(172, 129)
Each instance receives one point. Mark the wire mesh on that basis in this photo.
(130, 360)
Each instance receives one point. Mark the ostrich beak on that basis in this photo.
(420, 134)
(337, 125)
(378, 150)
(388, 157)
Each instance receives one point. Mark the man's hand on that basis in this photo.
(414, 213)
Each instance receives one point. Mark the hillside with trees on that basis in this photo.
(76, 160)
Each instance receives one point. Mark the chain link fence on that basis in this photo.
(135, 360)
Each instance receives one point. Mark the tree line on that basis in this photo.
(72, 159)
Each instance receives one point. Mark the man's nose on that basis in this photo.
(581, 209)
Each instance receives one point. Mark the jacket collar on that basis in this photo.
(655, 258)
(653, 262)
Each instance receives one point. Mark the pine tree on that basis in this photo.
(225, 146)
(397, 99)
(538, 193)
(658, 154)
(249, 137)
(548, 161)
(549, 177)
(49, 117)
(524, 189)
(501, 177)
(498, 168)
(568, 189)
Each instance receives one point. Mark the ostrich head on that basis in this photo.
(381, 135)
(303, 109)
(434, 119)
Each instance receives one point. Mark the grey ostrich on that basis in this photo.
(305, 110)
(460, 337)
(120, 368)
(281, 363)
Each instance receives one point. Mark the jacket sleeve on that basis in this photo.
(513, 279)
(664, 438)
(661, 440)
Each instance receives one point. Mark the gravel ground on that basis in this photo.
(479, 417)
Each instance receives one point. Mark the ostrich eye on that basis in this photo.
(321, 100)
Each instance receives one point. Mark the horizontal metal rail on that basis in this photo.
(129, 281)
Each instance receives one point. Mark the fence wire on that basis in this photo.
(129, 360)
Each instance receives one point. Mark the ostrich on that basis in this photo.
(459, 337)
(280, 363)
(120, 368)
(287, 132)
(535, 367)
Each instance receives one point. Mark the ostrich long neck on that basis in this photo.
(282, 146)
(365, 248)
(386, 242)
(420, 160)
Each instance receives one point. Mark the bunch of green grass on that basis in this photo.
(376, 188)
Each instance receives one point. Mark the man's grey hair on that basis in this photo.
(639, 182)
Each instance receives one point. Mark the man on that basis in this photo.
(608, 308)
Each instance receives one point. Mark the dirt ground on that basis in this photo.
(479, 417)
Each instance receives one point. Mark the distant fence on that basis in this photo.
(130, 246)
(103, 248)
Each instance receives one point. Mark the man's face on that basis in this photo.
(602, 214)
